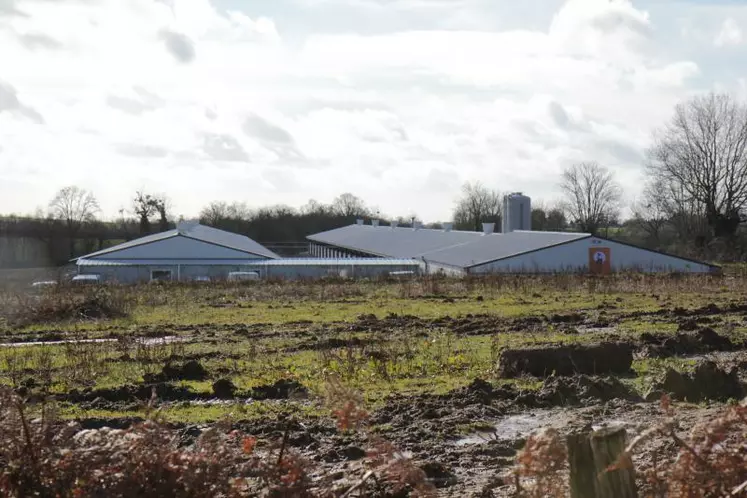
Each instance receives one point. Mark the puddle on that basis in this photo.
(146, 341)
(612, 424)
(511, 427)
(525, 424)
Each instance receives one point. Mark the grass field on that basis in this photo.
(260, 352)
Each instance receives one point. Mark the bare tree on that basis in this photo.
(218, 211)
(162, 206)
(477, 205)
(592, 197)
(349, 205)
(144, 209)
(74, 206)
(146, 206)
(702, 153)
(652, 212)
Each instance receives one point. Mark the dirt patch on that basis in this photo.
(580, 390)
(480, 391)
(282, 389)
(603, 358)
(708, 381)
(568, 318)
(438, 474)
(102, 398)
(331, 343)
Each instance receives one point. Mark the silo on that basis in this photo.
(517, 212)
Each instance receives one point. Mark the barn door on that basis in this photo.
(599, 260)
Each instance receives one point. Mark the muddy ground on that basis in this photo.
(465, 437)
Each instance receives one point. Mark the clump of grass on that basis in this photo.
(66, 303)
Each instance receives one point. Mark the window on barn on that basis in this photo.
(160, 275)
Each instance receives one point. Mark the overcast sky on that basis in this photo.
(397, 101)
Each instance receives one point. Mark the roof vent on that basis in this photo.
(448, 227)
(375, 223)
(394, 224)
(488, 228)
(359, 221)
(186, 225)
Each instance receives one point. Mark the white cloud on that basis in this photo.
(182, 97)
(730, 34)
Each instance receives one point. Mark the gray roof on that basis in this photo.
(197, 232)
(392, 242)
(500, 246)
(454, 248)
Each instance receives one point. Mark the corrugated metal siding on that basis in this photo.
(574, 256)
(290, 269)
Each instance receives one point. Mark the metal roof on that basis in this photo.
(393, 242)
(164, 262)
(454, 248)
(501, 246)
(340, 262)
(197, 232)
(253, 263)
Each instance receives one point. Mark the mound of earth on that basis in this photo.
(190, 370)
(223, 389)
(579, 390)
(708, 381)
(282, 389)
(705, 340)
(604, 358)
(480, 391)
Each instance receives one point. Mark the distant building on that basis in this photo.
(185, 253)
(193, 252)
(517, 251)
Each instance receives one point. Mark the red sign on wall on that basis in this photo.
(599, 260)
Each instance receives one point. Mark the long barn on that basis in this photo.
(518, 251)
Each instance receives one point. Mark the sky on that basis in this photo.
(397, 101)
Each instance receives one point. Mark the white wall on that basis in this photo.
(433, 268)
(574, 256)
(178, 248)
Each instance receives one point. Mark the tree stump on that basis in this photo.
(589, 457)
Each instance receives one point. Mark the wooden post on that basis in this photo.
(589, 457)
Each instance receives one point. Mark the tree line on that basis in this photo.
(692, 203)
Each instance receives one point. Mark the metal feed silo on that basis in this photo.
(517, 212)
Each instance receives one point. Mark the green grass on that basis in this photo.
(406, 361)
